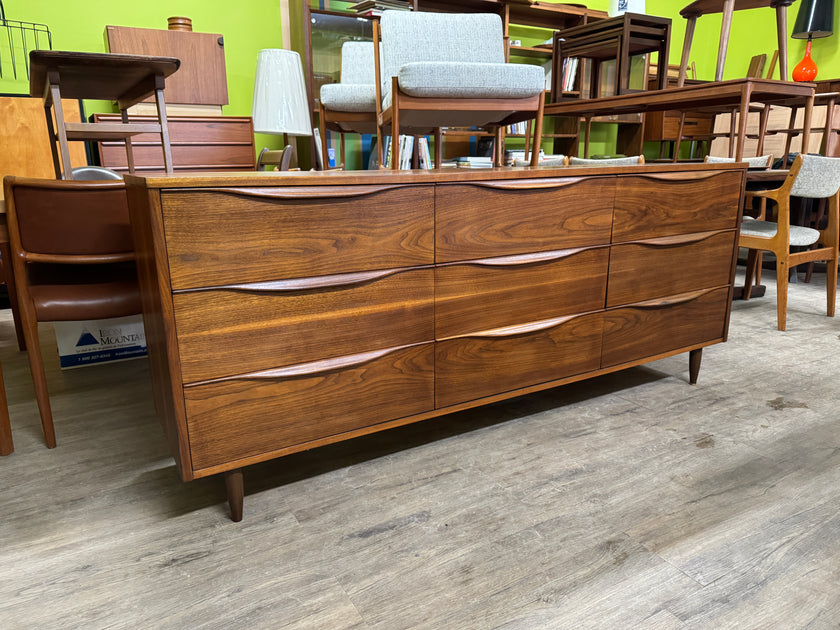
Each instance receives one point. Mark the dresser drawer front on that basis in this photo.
(226, 332)
(483, 220)
(498, 292)
(667, 266)
(664, 205)
(223, 236)
(647, 329)
(232, 420)
(468, 368)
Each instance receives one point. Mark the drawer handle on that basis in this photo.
(529, 184)
(308, 369)
(307, 284)
(308, 192)
(666, 302)
(524, 259)
(683, 178)
(519, 329)
(681, 239)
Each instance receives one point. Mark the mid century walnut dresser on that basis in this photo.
(285, 311)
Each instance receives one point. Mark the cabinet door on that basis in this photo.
(495, 292)
(502, 360)
(261, 415)
(251, 327)
(504, 218)
(659, 267)
(645, 329)
(676, 203)
(238, 235)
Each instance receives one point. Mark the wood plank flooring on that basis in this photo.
(631, 501)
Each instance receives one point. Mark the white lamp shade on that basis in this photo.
(280, 103)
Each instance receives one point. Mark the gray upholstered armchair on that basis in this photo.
(350, 105)
(449, 70)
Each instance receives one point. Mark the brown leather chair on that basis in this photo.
(73, 260)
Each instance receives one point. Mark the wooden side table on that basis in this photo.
(126, 79)
(727, 7)
(616, 38)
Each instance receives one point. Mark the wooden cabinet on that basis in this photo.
(285, 311)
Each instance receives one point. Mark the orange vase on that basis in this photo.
(805, 70)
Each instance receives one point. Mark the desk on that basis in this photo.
(703, 7)
(720, 96)
(126, 79)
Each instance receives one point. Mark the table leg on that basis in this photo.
(762, 129)
(588, 129)
(726, 25)
(686, 51)
(781, 33)
(746, 92)
(806, 124)
(6, 444)
(694, 358)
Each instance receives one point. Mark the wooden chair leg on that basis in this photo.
(11, 287)
(7, 446)
(782, 271)
(831, 285)
(39, 379)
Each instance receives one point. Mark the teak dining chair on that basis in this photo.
(448, 70)
(813, 177)
(73, 260)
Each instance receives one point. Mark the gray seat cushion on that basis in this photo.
(799, 236)
(347, 97)
(457, 79)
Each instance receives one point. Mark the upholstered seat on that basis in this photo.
(620, 161)
(449, 70)
(760, 161)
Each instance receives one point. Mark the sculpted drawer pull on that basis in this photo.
(308, 192)
(525, 259)
(306, 284)
(308, 369)
(671, 301)
(528, 184)
(685, 178)
(519, 329)
(680, 239)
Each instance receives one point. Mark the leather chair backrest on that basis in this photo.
(71, 218)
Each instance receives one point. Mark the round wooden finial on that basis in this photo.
(180, 24)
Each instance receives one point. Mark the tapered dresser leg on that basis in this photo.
(235, 493)
(694, 358)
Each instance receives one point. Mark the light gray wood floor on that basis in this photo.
(631, 501)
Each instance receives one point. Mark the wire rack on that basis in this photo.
(17, 38)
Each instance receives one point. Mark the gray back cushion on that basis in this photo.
(357, 65)
(819, 177)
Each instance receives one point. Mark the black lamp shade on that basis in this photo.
(815, 19)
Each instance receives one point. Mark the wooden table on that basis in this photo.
(703, 7)
(126, 79)
(723, 96)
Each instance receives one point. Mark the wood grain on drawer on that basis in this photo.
(662, 205)
(497, 292)
(656, 326)
(233, 419)
(224, 236)
(673, 264)
(502, 360)
(486, 219)
(259, 326)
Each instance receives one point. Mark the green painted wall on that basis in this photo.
(247, 26)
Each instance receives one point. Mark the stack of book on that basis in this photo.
(368, 8)
(570, 68)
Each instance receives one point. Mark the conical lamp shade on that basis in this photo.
(814, 20)
(280, 103)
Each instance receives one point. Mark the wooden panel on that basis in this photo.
(201, 79)
(498, 292)
(504, 218)
(225, 332)
(649, 328)
(24, 139)
(184, 158)
(224, 236)
(660, 126)
(665, 266)
(198, 143)
(230, 420)
(467, 368)
(661, 205)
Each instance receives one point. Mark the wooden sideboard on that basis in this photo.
(285, 311)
